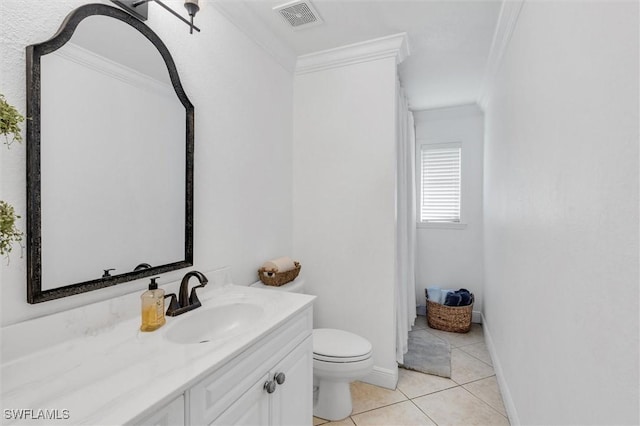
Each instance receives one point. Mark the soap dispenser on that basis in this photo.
(152, 307)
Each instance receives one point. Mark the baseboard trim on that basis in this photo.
(509, 405)
(383, 377)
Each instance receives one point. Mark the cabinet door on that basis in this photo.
(292, 402)
(171, 415)
(251, 409)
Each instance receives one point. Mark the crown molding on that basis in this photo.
(507, 20)
(396, 45)
(114, 70)
(241, 16)
(448, 113)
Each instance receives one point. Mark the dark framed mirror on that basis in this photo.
(110, 152)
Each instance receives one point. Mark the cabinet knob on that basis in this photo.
(270, 386)
(279, 378)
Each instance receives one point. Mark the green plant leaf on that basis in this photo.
(9, 234)
(10, 120)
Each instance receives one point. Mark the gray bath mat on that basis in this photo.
(428, 354)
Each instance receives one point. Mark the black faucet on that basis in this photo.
(185, 302)
(141, 267)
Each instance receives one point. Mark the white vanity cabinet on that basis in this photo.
(245, 390)
(292, 401)
(171, 415)
(288, 403)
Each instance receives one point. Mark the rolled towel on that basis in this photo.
(452, 299)
(466, 298)
(281, 264)
(433, 294)
(443, 294)
(460, 297)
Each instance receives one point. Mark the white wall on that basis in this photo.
(344, 200)
(561, 213)
(242, 144)
(453, 257)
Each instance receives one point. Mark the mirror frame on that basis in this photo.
(34, 52)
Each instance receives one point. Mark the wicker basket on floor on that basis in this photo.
(449, 318)
(276, 279)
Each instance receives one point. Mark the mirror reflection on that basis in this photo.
(112, 158)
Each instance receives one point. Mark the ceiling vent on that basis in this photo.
(299, 14)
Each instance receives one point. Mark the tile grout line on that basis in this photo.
(382, 406)
(460, 346)
(484, 402)
(488, 365)
(477, 380)
(422, 411)
(480, 398)
(458, 386)
(471, 355)
(405, 395)
(430, 393)
(474, 380)
(399, 402)
(438, 391)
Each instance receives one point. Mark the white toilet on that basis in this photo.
(339, 358)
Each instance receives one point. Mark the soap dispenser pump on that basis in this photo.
(152, 307)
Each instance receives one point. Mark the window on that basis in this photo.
(440, 178)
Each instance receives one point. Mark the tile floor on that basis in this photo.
(470, 397)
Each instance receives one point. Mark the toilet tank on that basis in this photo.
(295, 286)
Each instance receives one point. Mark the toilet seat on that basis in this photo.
(339, 346)
(325, 358)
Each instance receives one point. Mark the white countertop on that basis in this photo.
(115, 376)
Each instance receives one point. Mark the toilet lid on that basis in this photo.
(339, 346)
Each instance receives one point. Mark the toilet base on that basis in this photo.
(334, 400)
(334, 393)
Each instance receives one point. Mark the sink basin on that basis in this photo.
(207, 324)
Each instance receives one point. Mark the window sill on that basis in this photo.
(423, 225)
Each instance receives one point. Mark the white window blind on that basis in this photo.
(440, 183)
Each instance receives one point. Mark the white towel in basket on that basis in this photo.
(281, 264)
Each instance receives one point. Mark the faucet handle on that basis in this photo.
(173, 304)
(193, 297)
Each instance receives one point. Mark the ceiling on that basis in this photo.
(449, 40)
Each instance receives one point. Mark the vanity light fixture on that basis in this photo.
(138, 8)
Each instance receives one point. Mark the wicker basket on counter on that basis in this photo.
(276, 279)
(449, 318)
